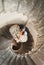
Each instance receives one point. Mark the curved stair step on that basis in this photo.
(18, 60)
(38, 57)
(29, 60)
(5, 57)
(23, 60)
(13, 60)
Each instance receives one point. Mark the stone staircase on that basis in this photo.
(34, 10)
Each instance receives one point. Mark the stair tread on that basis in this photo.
(38, 57)
(23, 61)
(29, 60)
(18, 60)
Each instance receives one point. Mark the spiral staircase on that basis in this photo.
(34, 10)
